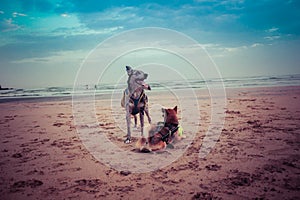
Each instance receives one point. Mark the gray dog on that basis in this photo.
(135, 100)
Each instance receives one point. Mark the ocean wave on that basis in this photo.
(233, 82)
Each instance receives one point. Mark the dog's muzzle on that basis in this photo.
(142, 83)
(146, 86)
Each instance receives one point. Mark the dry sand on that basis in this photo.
(256, 155)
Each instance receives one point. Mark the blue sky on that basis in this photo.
(43, 42)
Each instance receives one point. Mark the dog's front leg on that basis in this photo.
(142, 123)
(128, 120)
(135, 121)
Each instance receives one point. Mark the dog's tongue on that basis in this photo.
(146, 86)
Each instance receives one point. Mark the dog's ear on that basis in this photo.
(164, 112)
(175, 109)
(129, 70)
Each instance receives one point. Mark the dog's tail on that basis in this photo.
(142, 145)
(123, 100)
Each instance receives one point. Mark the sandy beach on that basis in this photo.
(257, 155)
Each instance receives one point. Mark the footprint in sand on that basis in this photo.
(17, 155)
(61, 143)
(273, 168)
(125, 173)
(240, 179)
(35, 172)
(91, 186)
(204, 196)
(92, 183)
(21, 185)
(213, 167)
(58, 124)
(123, 188)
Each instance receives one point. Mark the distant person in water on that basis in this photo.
(1, 88)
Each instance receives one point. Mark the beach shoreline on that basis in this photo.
(65, 92)
(110, 94)
(256, 155)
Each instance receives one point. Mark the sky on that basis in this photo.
(44, 42)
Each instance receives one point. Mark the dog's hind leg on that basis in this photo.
(147, 114)
(128, 120)
(142, 123)
(147, 109)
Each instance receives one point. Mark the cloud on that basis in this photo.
(31, 46)
(182, 18)
(56, 57)
(82, 30)
(271, 30)
(256, 45)
(16, 14)
(43, 6)
(65, 15)
(8, 25)
(222, 51)
(113, 17)
(227, 23)
(271, 38)
(58, 34)
(235, 49)
(93, 6)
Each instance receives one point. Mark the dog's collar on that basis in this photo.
(172, 128)
(136, 102)
(139, 98)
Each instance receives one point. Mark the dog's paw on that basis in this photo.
(127, 141)
(145, 150)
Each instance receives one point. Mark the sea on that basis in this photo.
(67, 92)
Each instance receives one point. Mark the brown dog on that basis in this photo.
(162, 134)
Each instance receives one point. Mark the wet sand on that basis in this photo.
(256, 155)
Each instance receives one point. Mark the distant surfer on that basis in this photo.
(1, 88)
